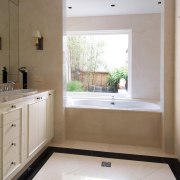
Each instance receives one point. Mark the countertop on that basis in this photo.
(6, 98)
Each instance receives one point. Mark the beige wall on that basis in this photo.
(145, 47)
(167, 81)
(177, 82)
(44, 66)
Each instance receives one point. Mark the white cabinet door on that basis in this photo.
(37, 119)
(32, 127)
(42, 119)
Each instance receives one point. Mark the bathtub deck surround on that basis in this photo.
(118, 104)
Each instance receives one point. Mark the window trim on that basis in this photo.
(123, 31)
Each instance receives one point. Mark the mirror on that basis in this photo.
(9, 34)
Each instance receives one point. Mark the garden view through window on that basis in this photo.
(97, 63)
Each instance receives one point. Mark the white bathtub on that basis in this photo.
(113, 104)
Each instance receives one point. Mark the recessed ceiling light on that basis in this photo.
(70, 7)
(113, 5)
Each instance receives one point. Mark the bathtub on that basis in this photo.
(128, 122)
(113, 104)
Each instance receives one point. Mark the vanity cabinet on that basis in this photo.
(25, 128)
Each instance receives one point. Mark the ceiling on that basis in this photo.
(103, 7)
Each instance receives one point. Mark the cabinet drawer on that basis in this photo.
(9, 167)
(11, 149)
(11, 131)
(12, 115)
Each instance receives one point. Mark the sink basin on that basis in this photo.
(6, 98)
(19, 92)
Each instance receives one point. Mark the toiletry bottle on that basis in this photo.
(4, 72)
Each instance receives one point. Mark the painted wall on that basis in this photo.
(44, 67)
(177, 82)
(167, 75)
(145, 47)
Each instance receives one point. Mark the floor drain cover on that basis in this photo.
(106, 164)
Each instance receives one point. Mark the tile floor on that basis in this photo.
(76, 167)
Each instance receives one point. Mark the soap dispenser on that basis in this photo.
(24, 71)
(4, 72)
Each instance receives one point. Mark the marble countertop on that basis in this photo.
(10, 97)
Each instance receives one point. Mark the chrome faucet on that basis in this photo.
(10, 85)
(112, 102)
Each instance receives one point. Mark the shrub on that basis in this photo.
(75, 86)
(115, 76)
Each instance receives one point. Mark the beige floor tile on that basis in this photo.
(59, 164)
(77, 167)
(163, 173)
(142, 169)
(94, 170)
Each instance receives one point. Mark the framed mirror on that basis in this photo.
(9, 34)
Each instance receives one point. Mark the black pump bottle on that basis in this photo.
(4, 72)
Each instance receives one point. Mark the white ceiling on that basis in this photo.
(103, 7)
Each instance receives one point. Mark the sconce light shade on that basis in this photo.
(38, 39)
(36, 34)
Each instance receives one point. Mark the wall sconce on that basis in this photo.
(38, 40)
(0, 43)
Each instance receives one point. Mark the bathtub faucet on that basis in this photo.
(112, 102)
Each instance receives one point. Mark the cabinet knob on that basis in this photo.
(13, 125)
(13, 106)
(50, 94)
(13, 163)
(13, 144)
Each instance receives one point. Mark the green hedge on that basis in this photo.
(75, 86)
(115, 76)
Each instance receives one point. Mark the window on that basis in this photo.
(99, 62)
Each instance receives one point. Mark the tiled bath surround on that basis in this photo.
(127, 127)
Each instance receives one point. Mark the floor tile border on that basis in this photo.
(33, 169)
